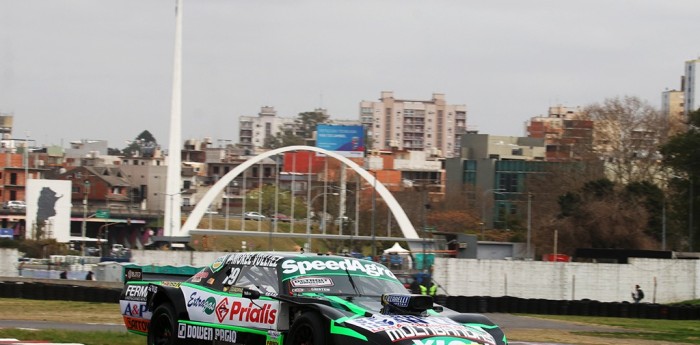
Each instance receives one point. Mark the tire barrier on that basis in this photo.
(585, 307)
(44, 291)
(463, 304)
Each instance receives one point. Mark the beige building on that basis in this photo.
(253, 130)
(672, 109)
(566, 134)
(419, 125)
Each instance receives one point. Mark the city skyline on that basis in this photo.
(76, 70)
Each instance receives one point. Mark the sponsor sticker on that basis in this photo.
(207, 305)
(186, 331)
(380, 323)
(133, 274)
(398, 300)
(136, 293)
(450, 341)
(311, 282)
(218, 263)
(135, 309)
(253, 313)
(213, 308)
(226, 335)
(331, 265)
(222, 309)
(135, 324)
(253, 259)
(199, 276)
(173, 284)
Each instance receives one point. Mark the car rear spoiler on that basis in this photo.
(132, 274)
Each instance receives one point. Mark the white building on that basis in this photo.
(691, 86)
(253, 130)
(418, 125)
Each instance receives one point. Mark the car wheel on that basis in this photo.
(163, 327)
(308, 329)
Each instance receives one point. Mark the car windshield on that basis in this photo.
(338, 276)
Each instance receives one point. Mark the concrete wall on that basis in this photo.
(8, 262)
(663, 281)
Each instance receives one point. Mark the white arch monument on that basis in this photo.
(198, 212)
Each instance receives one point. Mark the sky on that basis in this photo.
(93, 69)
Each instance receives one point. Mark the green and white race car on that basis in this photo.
(268, 298)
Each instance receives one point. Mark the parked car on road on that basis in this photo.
(254, 216)
(15, 205)
(272, 298)
(282, 218)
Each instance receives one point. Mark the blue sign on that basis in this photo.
(7, 233)
(348, 141)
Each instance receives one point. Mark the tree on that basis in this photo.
(306, 123)
(601, 215)
(304, 127)
(682, 156)
(285, 137)
(681, 152)
(627, 134)
(113, 151)
(267, 206)
(143, 145)
(651, 197)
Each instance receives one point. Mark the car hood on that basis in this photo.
(364, 318)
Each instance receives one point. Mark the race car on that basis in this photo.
(270, 298)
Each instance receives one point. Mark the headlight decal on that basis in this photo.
(336, 329)
(350, 306)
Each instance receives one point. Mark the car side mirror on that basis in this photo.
(252, 294)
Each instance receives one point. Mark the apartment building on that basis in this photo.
(672, 109)
(417, 125)
(253, 130)
(691, 86)
(565, 135)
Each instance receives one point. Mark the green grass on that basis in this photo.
(678, 331)
(87, 338)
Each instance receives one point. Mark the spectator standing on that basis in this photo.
(637, 294)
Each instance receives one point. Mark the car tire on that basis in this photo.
(163, 327)
(308, 329)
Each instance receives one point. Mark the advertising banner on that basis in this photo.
(348, 141)
(48, 208)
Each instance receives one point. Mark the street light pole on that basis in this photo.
(374, 211)
(26, 163)
(86, 191)
(483, 209)
(529, 223)
(690, 215)
(308, 224)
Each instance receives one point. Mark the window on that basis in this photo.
(258, 278)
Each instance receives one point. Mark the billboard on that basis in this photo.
(348, 141)
(48, 209)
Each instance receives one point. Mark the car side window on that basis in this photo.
(263, 279)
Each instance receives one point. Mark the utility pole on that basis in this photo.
(86, 192)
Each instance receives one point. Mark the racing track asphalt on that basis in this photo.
(510, 321)
(505, 321)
